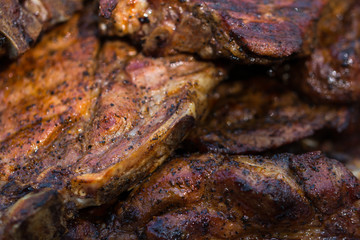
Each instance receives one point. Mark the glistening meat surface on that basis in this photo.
(332, 71)
(82, 125)
(213, 196)
(251, 31)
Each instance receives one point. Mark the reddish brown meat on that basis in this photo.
(332, 71)
(220, 197)
(261, 114)
(251, 31)
(89, 124)
(43, 93)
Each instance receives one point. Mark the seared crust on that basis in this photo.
(250, 31)
(42, 95)
(261, 114)
(146, 108)
(91, 124)
(230, 197)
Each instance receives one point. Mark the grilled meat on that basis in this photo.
(250, 31)
(21, 22)
(42, 94)
(146, 107)
(332, 71)
(260, 114)
(81, 126)
(249, 197)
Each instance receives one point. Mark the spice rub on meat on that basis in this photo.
(42, 94)
(250, 31)
(238, 197)
(260, 114)
(81, 125)
(22, 22)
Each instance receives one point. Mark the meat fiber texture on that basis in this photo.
(82, 123)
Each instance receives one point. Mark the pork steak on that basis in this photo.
(81, 125)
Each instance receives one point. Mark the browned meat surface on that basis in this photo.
(210, 196)
(89, 124)
(42, 94)
(252, 31)
(22, 21)
(332, 71)
(260, 114)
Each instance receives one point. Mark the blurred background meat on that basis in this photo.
(331, 73)
(260, 113)
(22, 21)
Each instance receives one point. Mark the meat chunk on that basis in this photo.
(332, 71)
(21, 22)
(231, 197)
(261, 114)
(251, 31)
(42, 94)
(146, 107)
(85, 125)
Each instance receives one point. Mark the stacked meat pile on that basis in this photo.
(194, 119)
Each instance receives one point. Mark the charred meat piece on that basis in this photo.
(236, 197)
(83, 125)
(22, 21)
(251, 31)
(261, 114)
(145, 109)
(42, 94)
(332, 71)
